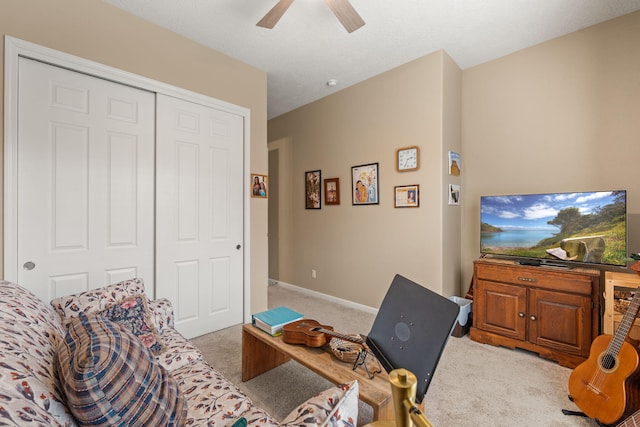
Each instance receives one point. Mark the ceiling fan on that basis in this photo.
(343, 10)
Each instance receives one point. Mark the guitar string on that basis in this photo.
(343, 337)
(362, 353)
(633, 420)
(616, 342)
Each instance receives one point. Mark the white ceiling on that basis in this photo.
(309, 46)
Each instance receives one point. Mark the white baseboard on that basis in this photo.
(331, 298)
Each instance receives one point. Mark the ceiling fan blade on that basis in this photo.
(273, 16)
(346, 14)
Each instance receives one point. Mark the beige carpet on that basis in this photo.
(474, 384)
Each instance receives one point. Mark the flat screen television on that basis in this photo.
(556, 228)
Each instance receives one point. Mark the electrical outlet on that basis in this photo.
(313, 274)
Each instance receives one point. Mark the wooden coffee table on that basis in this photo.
(262, 352)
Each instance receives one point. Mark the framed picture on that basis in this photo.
(408, 159)
(454, 194)
(364, 184)
(259, 185)
(454, 163)
(407, 196)
(312, 190)
(332, 191)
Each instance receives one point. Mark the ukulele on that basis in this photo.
(599, 385)
(312, 334)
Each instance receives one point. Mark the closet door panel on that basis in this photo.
(200, 214)
(85, 181)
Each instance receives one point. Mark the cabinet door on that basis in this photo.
(501, 309)
(560, 321)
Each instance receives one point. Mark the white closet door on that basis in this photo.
(199, 257)
(85, 181)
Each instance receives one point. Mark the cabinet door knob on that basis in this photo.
(521, 314)
(533, 318)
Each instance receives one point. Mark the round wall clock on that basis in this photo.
(408, 159)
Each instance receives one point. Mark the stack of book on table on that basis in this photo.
(271, 321)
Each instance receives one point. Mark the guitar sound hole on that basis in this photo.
(608, 361)
(315, 329)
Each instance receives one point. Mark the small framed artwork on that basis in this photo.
(312, 190)
(408, 159)
(364, 184)
(259, 185)
(332, 191)
(454, 194)
(454, 163)
(407, 196)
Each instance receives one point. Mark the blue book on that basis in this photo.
(271, 321)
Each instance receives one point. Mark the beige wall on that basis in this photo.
(282, 219)
(356, 250)
(560, 116)
(97, 31)
(452, 214)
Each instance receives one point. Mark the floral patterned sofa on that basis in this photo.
(111, 357)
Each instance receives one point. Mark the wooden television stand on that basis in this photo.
(551, 311)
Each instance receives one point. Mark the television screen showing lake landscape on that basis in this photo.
(585, 227)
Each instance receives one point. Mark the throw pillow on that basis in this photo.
(111, 379)
(336, 407)
(95, 299)
(133, 314)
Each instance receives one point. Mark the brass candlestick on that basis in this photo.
(403, 389)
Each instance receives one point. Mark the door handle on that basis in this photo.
(29, 265)
(238, 247)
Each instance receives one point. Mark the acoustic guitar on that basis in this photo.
(312, 334)
(601, 386)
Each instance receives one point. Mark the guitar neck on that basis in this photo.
(343, 337)
(632, 421)
(625, 324)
